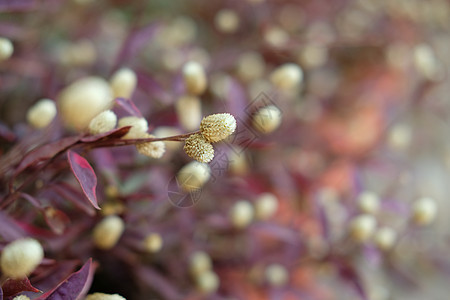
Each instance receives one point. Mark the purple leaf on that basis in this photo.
(1, 294)
(17, 5)
(85, 176)
(74, 287)
(9, 229)
(236, 100)
(349, 274)
(128, 106)
(110, 135)
(12, 287)
(69, 193)
(56, 219)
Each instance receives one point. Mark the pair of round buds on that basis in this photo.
(213, 128)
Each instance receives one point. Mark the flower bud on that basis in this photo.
(276, 37)
(21, 297)
(189, 112)
(42, 113)
(123, 83)
(6, 48)
(194, 78)
(241, 214)
(217, 127)
(368, 202)
(84, 99)
(265, 206)
(207, 282)
(199, 262)
(108, 232)
(227, 21)
(267, 119)
(101, 296)
(198, 148)
(362, 227)
(20, 257)
(287, 76)
(80, 53)
(153, 243)
(385, 238)
(425, 61)
(103, 122)
(151, 149)
(139, 127)
(276, 275)
(250, 66)
(193, 176)
(424, 211)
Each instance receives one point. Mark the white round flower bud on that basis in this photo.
(189, 112)
(267, 119)
(265, 206)
(123, 83)
(101, 296)
(424, 211)
(275, 36)
(6, 48)
(108, 232)
(400, 136)
(250, 66)
(42, 113)
(207, 282)
(103, 122)
(368, 202)
(20, 257)
(287, 76)
(193, 176)
(21, 297)
(362, 227)
(82, 100)
(139, 127)
(276, 275)
(153, 243)
(385, 238)
(217, 127)
(227, 21)
(199, 262)
(241, 214)
(198, 148)
(151, 149)
(425, 61)
(194, 78)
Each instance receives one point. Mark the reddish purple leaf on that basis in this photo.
(56, 219)
(128, 106)
(85, 176)
(12, 287)
(17, 5)
(73, 287)
(1, 294)
(349, 274)
(9, 229)
(110, 135)
(236, 100)
(71, 194)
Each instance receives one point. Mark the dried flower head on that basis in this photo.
(198, 148)
(217, 127)
(153, 243)
(424, 211)
(265, 206)
(21, 297)
(151, 149)
(82, 100)
(276, 275)
(101, 296)
(368, 202)
(189, 112)
(42, 113)
(267, 119)
(207, 282)
(199, 262)
(123, 83)
(108, 232)
(103, 122)
(193, 176)
(385, 238)
(241, 214)
(194, 78)
(20, 258)
(139, 127)
(362, 227)
(287, 76)
(6, 48)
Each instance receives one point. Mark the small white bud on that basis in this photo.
(101, 296)
(20, 257)
(42, 113)
(368, 202)
(265, 206)
(385, 238)
(362, 227)
(267, 119)
(6, 48)
(250, 66)
(207, 282)
(193, 176)
(424, 211)
(151, 149)
(139, 127)
(237, 162)
(276, 275)
(153, 243)
(313, 56)
(189, 112)
(425, 61)
(84, 99)
(198, 148)
(227, 21)
(123, 83)
(287, 76)
(21, 297)
(276, 37)
(241, 214)
(108, 232)
(217, 127)
(199, 262)
(194, 78)
(103, 122)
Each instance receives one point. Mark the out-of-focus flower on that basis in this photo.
(103, 122)
(424, 211)
(241, 214)
(6, 48)
(21, 297)
(362, 227)
(265, 206)
(368, 202)
(101, 296)
(20, 257)
(193, 176)
(227, 21)
(267, 119)
(108, 232)
(189, 112)
(276, 275)
(123, 83)
(207, 282)
(194, 77)
(42, 113)
(287, 76)
(385, 238)
(199, 262)
(153, 243)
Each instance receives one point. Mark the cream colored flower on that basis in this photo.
(424, 211)
(6, 48)
(101, 296)
(207, 282)
(194, 78)
(199, 262)
(108, 232)
(123, 83)
(20, 257)
(287, 76)
(153, 243)
(241, 214)
(193, 176)
(363, 227)
(21, 297)
(198, 148)
(217, 127)
(42, 113)
(151, 149)
(189, 112)
(103, 122)
(267, 119)
(139, 127)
